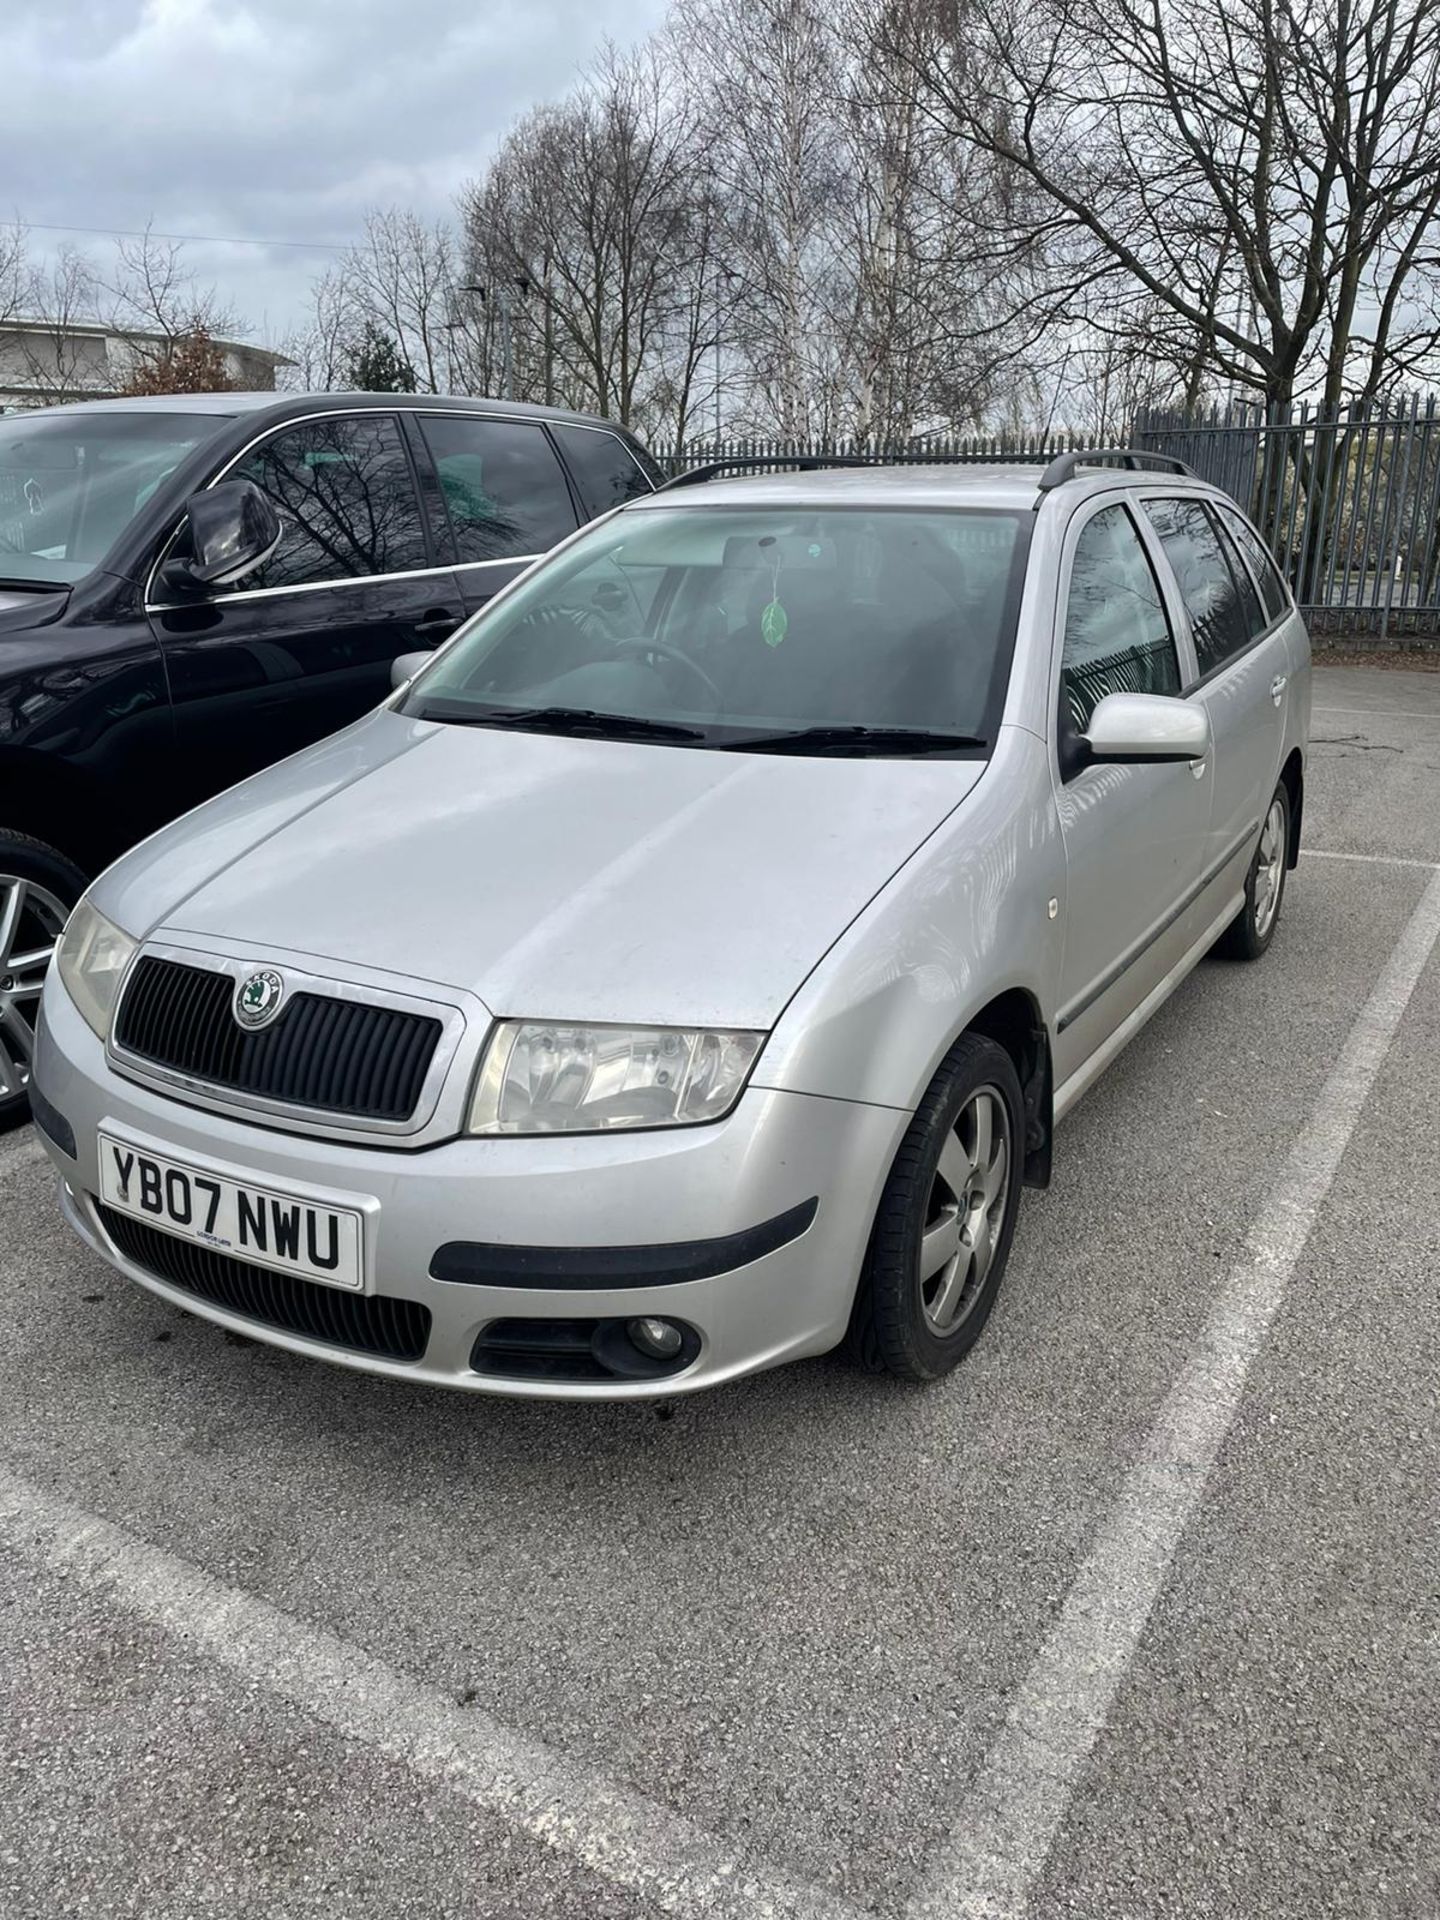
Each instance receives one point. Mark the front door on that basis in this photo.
(304, 645)
(1134, 835)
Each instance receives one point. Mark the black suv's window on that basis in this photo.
(1272, 587)
(1117, 638)
(346, 493)
(70, 483)
(504, 488)
(605, 471)
(1220, 618)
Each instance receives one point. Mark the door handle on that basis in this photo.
(435, 625)
(1277, 688)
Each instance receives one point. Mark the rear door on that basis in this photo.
(1242, 663)
(1134, 835)
(503, 499)
(304, 646)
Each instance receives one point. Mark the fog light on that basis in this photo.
(658, 1338)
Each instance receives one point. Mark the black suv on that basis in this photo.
(192, 587)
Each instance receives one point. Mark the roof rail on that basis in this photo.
(1065, 465)
(760, 462)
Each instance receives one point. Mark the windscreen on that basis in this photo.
(70, 483)
(733, 621)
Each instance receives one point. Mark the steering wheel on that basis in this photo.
(640, 646)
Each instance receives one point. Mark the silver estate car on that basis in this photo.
(685, 969)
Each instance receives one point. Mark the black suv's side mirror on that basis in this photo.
(230, 530)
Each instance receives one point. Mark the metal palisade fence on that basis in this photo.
(1348, 499)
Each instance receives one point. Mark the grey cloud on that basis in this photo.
(279, 118)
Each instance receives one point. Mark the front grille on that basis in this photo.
(337, 1056)
(375, 1323)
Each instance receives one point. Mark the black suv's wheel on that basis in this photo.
(942, 1233)
(1249, 934)
(38, 887)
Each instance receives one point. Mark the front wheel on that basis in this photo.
(943, 1229)
(1249, 934)
(38, 887)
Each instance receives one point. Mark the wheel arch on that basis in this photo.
(1014, 1021)
(67, 808)
(1292, 777)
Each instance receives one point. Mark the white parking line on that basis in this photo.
(23, 1151)
(1015, 1806)
(1381, 713)
(1371, 859)
(607, 1828)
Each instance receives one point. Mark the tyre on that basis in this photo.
(942, 1232)
(38, 887)
(1249, 934)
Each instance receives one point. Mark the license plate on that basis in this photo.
(264, 1225)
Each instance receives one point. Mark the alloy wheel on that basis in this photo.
(31, 919)
(1269, 869)
(966, 1211)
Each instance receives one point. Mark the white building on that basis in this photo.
(46, 361)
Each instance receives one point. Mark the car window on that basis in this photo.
(1219, 619)
(1256, 618)
(605, 471)
(70, 483)
(504, 488)
(346, 495)
(1117, 635)
(744, 619)
(1272, 587)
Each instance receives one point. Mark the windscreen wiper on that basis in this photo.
(584, 722)
(856, 740)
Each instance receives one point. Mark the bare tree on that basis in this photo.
(151, 289)
(768, 78)
(12, 268)
(321, 349)
(589, 239)
(398, 283)
(1255, 183)
(58, 359)
(401, 279)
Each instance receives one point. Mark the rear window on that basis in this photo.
(1219, 617)
(504, 490)
(605, 471)
(1272, 587)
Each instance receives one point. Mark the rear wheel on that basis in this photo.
(38, 887)
(942, 1232)
(1249, 934)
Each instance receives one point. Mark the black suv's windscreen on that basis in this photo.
(842, 629)
(70, 483)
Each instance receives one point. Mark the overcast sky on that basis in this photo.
(277, 119)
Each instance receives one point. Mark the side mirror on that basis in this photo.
(1140, 729)
(233, 529)
(406, 667)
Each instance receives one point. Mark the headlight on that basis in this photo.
(539, 1078)
(92, 959)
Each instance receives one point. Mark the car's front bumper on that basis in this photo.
(557, 1196)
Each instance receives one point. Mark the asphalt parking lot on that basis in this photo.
(1136, 1615)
